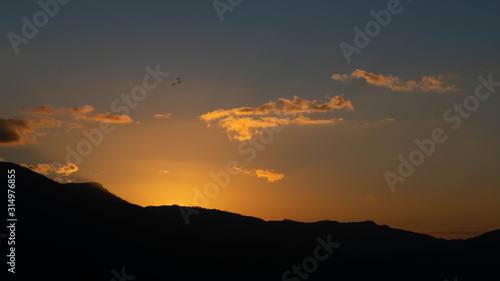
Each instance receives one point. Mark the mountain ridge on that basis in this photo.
(85, 228)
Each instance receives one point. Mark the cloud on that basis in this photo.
(108, 118)
(49, 110)
(15, 131)
(163, 172)
(301, 120)
(283, 106)
(469, 142)
(245, 128)
(369, 197)
(268, 174)
(271, 176)
(47, 169)
(44, 169)
(163, 116)
(79, 113)
(63, 180)
(245, 122)
(67, 169)
(19, 131)
(58, 173)
(428, 83)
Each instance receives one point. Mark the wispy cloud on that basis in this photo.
(47, 169)
(21, 131)
(243, 123)
(57, 173)
(15, 131)
(369, 197)
(67, 169)
(283, 106)
(244, 128)
(79, 113)
(163, 116)
(427, 83)
(302, 120)
(270, 175)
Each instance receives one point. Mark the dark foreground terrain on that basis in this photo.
(83, 232)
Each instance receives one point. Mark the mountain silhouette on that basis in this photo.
(81, 231)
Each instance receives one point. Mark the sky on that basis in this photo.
(302, 110)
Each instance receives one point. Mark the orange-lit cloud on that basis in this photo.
(302, 120)
(67, 169)
(108, 118)
(268, 174)
(48, 169)
(163, 116)
(245, 128)
(242, 124)
(369, 197)
(428, 83)
(44, 169)
(282, 106)
(63, 180)
(79, 113)
(57, 173)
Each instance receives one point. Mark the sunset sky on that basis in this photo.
(269, 66)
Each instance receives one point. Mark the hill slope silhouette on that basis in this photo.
(84, 232)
